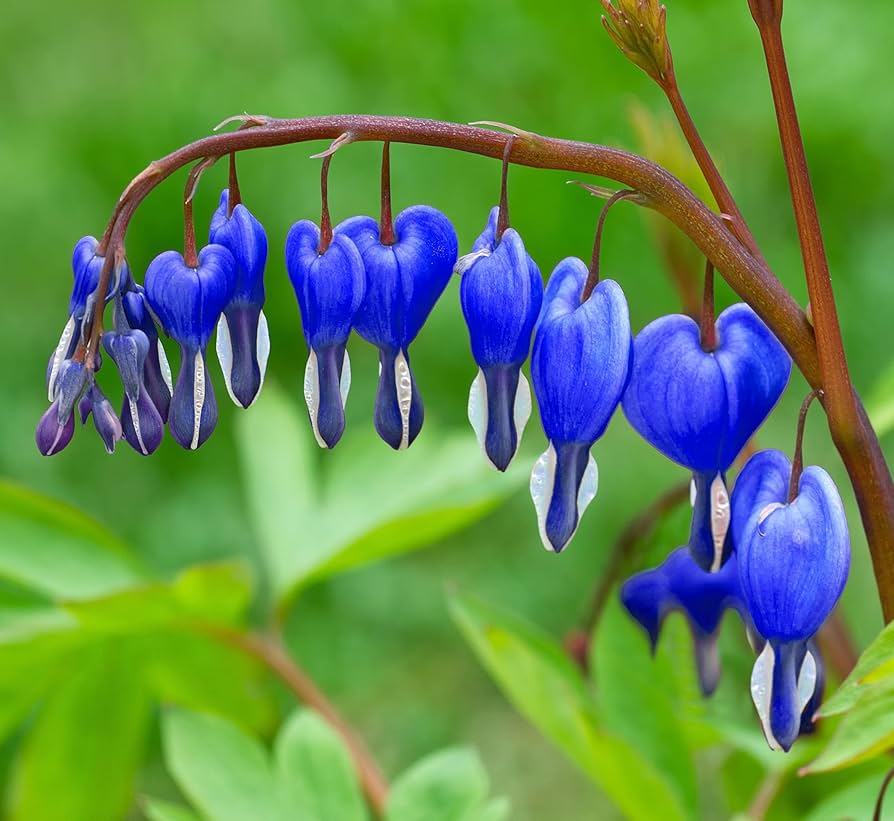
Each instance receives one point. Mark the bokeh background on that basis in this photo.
(90, 92)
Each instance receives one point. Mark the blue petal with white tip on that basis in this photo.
(243, 338)
(188, 302)
(157, 378)
(329, 288)
(501, 293)
(580, 366)
(403, 281)
(793, 562)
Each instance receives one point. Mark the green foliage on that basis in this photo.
(880, 402)
(317, 520)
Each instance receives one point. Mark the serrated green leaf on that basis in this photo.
(80, 759)
(450, 785)
(225, 773)
(315, 772)
(359, 503)
(865, 730)
(158, 810)
(55, 549)
(873, 665)
(541, 681)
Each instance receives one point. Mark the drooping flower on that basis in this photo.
(243, 339)
(157, 378)
(56, 427)
(188, 302)
(580, 366)
(329, 287)
(403, 281)
(679, 584)
(793, 559)
(94, 402)
(142, 425)
(501, 292)
(700, 407)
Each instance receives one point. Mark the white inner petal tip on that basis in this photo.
(806, 681)
(589, 485)
(263, 352)
(522, 408)
(135, 421)
(198, 399)
(165, 368)
(762, 691)
(403, 383)
(344, 385)
(312, 395)
(693, 492)
(720, 519)
(765, 513)
(468, 260)
(478, 411)
(224, 346)
(59, 355)
(543, 477)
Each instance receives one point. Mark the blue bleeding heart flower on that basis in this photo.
(157, 378)
(86, 266)
(403, 281)
(56, 427)
(679, 584)
(243, 338)
(580, 366)
(501, 292)
(188, 302)
(329, 288)
(94, 402)
(793, 562)
(699, 407)
(142, 423)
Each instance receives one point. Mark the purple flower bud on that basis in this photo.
(129, 350)
(53, 434)
(156, 370)
(106, 421)
(141, 424)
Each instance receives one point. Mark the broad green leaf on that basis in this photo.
(549, 690)
(225, 773)
(80, 759)
(158, 810)
(874, 664)
(321, 513)
(880, 402)
(315, 773)
(55, 549)
(856, 801)
(650, 702)
(451, 785)
(867, 729)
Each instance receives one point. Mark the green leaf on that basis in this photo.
(857, 800)
(157, 810)
(880, 402)
(80, 759)
(650, 702)
(450, 785)
(315, 773)
(319, 514)
(57, 550)
(873, 665)
(548, 689)
(867, 729)
(225, 773)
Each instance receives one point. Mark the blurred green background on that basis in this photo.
(92, 91)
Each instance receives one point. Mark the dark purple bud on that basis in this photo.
(193, 412)
(141, 424)
(70, 383)
(106, 421)
(53, 435)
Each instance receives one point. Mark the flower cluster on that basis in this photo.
(776, 551)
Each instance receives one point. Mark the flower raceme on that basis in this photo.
(700, 407)
(403, 280)
(501, 292)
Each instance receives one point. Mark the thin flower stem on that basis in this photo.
(707, 329)
(840, 402)
(753, 281)
(325, 219)
(798, 457)
(593, 275)
(503, 214)
(271, 653)
(234, 195)
(877, 814)
(386, 222)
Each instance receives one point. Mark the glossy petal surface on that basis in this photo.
(244, 237)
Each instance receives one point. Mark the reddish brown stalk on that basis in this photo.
(753, 281)
(234, 195)
(273, 655)
(386, 222)
(593, 275)
(877, 813)
(798, 457)
(707, 329)
(503, 214)
(840, 402)
(325, 219)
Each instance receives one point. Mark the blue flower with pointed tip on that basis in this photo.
(699, 407)
(501, 292)
(56, 427)
(580, 366)
(188, 302)
(105, 420)
(403, 281)
(703, 598)
(329, 288)
(86, 267)
(156, 371)
(793, 560)
(243, 339)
